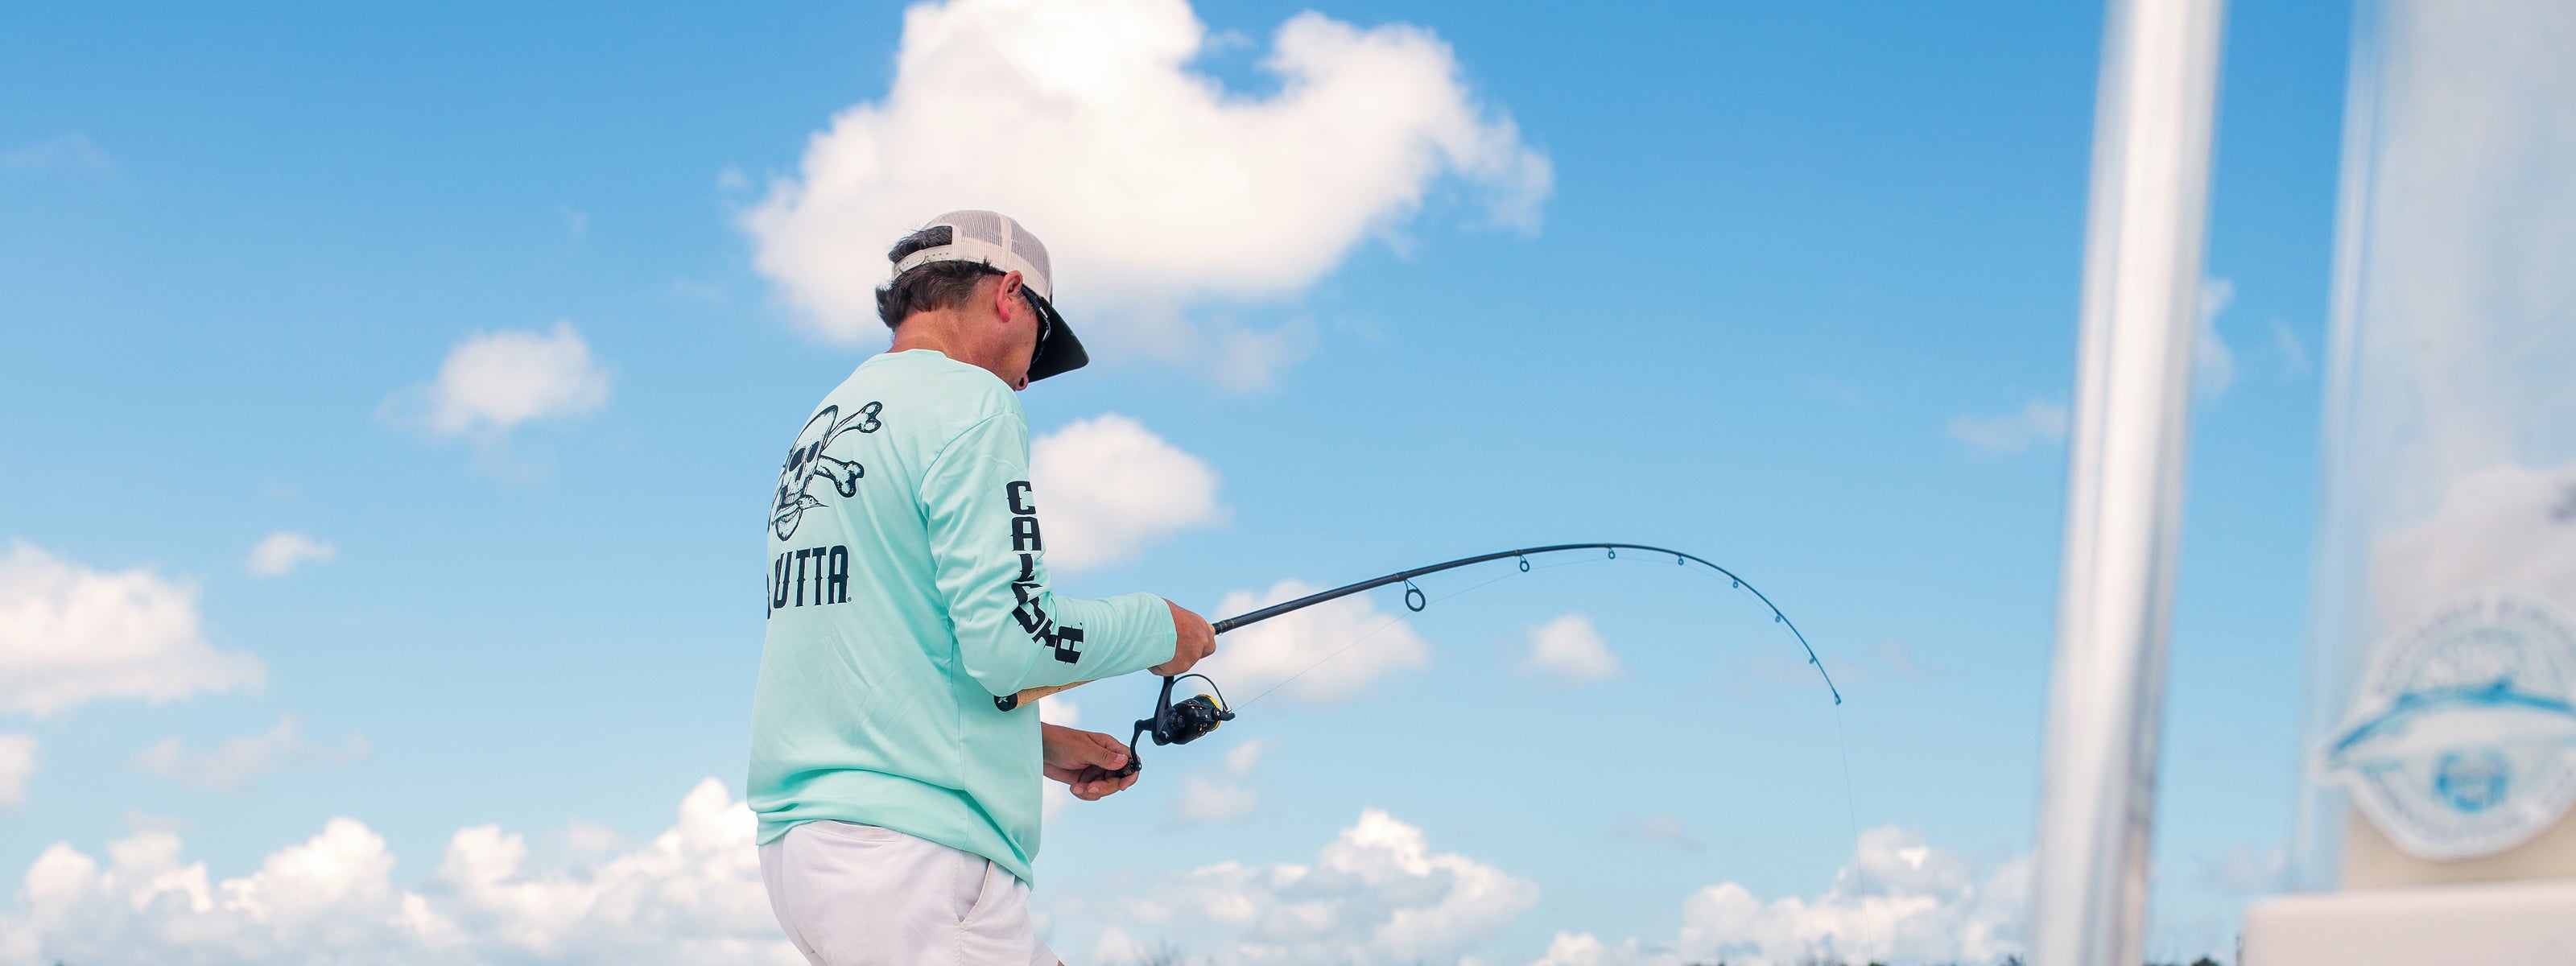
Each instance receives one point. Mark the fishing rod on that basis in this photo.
(1193, 718)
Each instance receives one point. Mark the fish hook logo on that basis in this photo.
(807, 461)
(2461, 738)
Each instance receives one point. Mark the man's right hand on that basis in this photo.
(1196, 641)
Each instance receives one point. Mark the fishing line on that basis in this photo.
(1842, 743)
(1849, 807)
(1390, 621)
(1355, 642)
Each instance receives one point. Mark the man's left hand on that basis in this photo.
(1083, 760)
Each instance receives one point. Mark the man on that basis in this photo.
(898, 802)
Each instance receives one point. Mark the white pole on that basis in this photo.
(2142, 267)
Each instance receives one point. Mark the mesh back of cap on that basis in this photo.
(1026, 246)
(983, 226)
(1005, 234)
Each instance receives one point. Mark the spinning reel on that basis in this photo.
(1177, 723)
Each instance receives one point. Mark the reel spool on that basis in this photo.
(1177, 723)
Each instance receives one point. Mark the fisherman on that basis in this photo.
(898, 802)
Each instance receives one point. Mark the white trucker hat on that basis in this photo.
(995, 241)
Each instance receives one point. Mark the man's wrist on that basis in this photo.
(1172, 633)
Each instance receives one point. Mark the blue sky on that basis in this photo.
(1796, 293)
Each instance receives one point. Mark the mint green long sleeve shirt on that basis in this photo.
(907, 589)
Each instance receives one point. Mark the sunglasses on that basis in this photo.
(1045, 312)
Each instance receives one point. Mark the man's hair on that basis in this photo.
(931, 287)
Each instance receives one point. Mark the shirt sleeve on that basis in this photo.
(989, 553)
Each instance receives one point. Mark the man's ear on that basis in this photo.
(1006, 296)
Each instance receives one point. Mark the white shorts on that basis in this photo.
(860, 895)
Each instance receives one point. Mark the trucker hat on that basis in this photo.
(995, 241)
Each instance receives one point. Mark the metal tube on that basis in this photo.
(2142, 268)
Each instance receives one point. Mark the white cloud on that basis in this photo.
(1585, 949)
(692, 895)
(2213, 364)
(1896, 900)
(586, 837)
(1206, 799)
(17, 764)
(1248, 360)
(1106, 487)
(1376, 894)
(240, 758)
(1209, 801)
(69, 634)
(493, 381)
(1242, 758)
(1056, 709)
(277, 554)
(2038, 421)
(1370, 646)
(1570, 649)
(1154, 187)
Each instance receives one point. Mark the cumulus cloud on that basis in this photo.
(1363, 646)
(1154, 187)
(277, 554)
(1107, 487)
(1585, 949)
(1377, 893)
(2038, 421)
(1897, 899)
(1570, 649)
(692, 895)
(69, 634)
(493, 381)
(1216, 799)
(232, 764)
(17, 764)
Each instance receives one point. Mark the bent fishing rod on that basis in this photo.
(1191, 719)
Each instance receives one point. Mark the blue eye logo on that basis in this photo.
(2461, 739)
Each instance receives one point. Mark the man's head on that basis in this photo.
(976, 286)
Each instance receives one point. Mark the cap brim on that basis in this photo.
(1061, 352)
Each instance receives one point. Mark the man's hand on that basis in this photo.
(1084, 759)
(1197, 641)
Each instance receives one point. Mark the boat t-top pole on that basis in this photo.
(2142, 270)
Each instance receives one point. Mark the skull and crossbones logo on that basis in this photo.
(806, 461)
